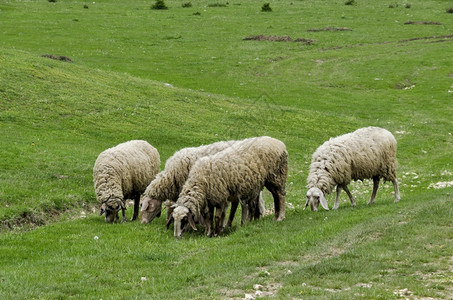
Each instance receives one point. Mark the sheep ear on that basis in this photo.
(323, 201)
(169, 221)
(174, 206)
(145, 205)
(191, 222)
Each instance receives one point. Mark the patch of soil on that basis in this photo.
(433, 39)
(439, 38)
(33, 219)
(329, 29)
(275, 38)
(57, 57)
(422, 23)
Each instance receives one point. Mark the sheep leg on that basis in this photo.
(260, 207)
(397, 191)
(220, 219)
(209, 220)
(136, 207)
(278, 193)
(244, 213)
(345, 188)
(234, 207)
(279, 204)
(123, 212)
(337, 198)
(375, 188)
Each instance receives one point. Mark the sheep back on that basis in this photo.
(240, 171)
(125, 170)
(359, 155)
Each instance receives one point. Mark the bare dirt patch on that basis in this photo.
(276, 38)
(422, 23)
(329, 29)
(429, 39)
(57, 57)
(434, 37)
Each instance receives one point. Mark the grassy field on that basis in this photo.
(185, 77)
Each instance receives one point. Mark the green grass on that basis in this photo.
(56, 117)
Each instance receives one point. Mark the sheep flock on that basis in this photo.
(199, 185)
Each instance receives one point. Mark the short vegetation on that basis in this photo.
(160, 4)
(266, 7)
(178, 80)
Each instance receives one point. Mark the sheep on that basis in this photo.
(167, 185)
(238, 173)
(123, 172)
(366, 153)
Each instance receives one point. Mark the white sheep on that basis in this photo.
(366, 153)
(238, 173)
(123, 172)
(167, 185)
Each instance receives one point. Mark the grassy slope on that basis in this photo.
(56, 117)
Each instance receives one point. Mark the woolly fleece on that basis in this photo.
(124, 171)
(240, 172)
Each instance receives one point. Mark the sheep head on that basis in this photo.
(150, 208)
(314, 197)
(182, 217)
(110, 208)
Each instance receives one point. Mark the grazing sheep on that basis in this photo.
(368, 152)
(238, 173)
(167, 185)
(123, 172)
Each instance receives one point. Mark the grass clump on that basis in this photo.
(266, 7)
(350, 2)
(160, 4)
(217, 5)
(187, 4)
(449, 10)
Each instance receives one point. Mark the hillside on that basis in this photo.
(177, 78)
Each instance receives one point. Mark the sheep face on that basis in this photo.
(314, 197)
(182, 218)
(151, 208)
(111, 208)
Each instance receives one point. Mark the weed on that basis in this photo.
(52, 1)
(187, 4)
(449, 10)
(160, 4)
(350, 2)
(266, 7)
(408, 5)
(217, 5)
